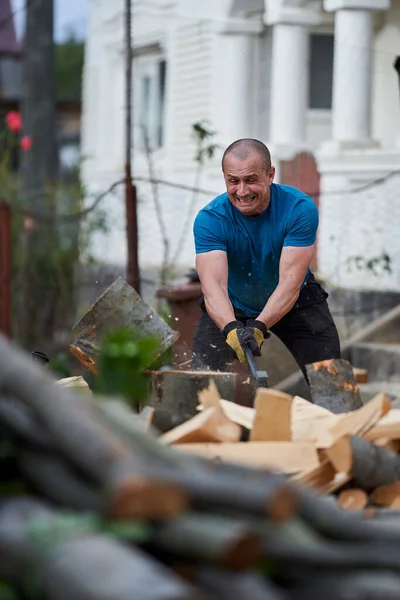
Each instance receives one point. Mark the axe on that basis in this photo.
(260, 378)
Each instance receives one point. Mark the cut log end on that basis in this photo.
(143, 498)
(83, 358)
(245, 553)
(353, 499)
(282, 505)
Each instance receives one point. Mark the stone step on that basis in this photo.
(382, 361)
(371, 389)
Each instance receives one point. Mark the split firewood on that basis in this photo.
(387, 427)
(241, 415)
(333, 385)
(353, 499)
(324, 478)
(286, 457)
(74, 382)
(272, 422)
(357, 422)
(119, 306)
(211, 425)
(221, 486)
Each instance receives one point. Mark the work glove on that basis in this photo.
(239, 337)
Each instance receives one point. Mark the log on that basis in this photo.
(333, 385)
(177, 391)
(272, 422)
(353, 499)
(361, 585)
(210, 425)
(22, 423)
(373, 466)
(226, 585)
(286, 457)
(119, 306)
(57, 480)
(130, 485)
(386, 495)
(219, 486)
(81, 564)
(228, 542)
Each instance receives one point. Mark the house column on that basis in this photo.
(351, 105)
(234, 77)
(290, 71)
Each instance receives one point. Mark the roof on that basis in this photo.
(8, 38)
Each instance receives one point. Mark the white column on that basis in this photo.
(290, 20)
(236, 58)
(289, 84)
(234, 80)
(351, 117)
(352, 76)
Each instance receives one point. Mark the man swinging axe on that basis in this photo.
(254, 245)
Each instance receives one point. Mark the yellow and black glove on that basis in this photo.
(239, 337)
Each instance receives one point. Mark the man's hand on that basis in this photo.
(239, 337)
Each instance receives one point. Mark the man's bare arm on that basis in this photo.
(212, 269)
(293, 267)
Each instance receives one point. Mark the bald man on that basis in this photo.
(254, 245)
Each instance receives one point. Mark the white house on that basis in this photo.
(302, 75)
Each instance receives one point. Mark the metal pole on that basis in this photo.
(5, 268)
(132, 275)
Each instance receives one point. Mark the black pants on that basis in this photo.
(307, 330)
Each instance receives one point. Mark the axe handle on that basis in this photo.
(252, 364)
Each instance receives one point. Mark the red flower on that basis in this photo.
(14, 121)
(29, 223)
(26, 143)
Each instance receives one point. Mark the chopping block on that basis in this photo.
(119, 306)
(174, 394)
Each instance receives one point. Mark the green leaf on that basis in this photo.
(122, 360)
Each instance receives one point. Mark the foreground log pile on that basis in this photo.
(95, 506)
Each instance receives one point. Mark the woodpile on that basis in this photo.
(95, 505)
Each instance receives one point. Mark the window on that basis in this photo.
(149, 100)
(321, 71)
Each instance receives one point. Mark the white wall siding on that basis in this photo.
(191, 89)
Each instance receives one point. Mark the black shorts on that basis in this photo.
(307, 330)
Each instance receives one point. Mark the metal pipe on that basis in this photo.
(5, 268)
(133, 275)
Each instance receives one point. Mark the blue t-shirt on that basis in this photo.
(254, 244)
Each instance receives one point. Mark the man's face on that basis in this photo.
(248, 183)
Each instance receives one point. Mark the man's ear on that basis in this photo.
(271, 175)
